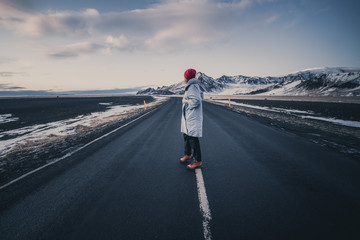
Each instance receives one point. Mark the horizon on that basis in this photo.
(101, 46)
(16, 92)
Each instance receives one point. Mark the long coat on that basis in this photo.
(192, 114)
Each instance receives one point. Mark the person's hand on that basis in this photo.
(185, 101)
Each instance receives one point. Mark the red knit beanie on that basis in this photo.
(190, 73)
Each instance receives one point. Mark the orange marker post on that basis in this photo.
(229, 102)
(144, 105)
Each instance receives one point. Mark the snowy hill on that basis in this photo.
(309, 82)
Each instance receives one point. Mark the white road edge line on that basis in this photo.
(204, 203)
(71, 153)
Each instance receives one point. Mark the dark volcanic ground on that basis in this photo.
(345, 111)
(344, 139)
(261, 183)
(33, 110)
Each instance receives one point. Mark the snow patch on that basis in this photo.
(5, 118)
(41, 132)
(279, 110)
(336, 121)
(309, 82)
(296, 112)
(284, 90)
(328, 70)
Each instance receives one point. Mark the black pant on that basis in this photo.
(192, 146)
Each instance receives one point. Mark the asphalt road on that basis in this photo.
(261, 183)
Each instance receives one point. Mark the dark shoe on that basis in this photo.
(184, 158)
(194, 164)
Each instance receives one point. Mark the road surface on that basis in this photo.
(261, 183)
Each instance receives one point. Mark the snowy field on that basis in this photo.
(35, 131)
(303, 114)
(333, 124)
(15, 138)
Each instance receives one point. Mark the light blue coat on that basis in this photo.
(192, 114)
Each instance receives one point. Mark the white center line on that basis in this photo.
(204, 203)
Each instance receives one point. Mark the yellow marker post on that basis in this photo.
(144, 104)
(229, 102)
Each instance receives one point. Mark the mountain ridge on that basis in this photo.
(340, 81)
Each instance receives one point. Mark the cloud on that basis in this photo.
(9, 74)
(68, 23)
(120, 42)
(63, 23)
(168, 25)
(63, 54)
(5, 60)
(271, 19)
(73, 50)
(19, 4)
(9, 87)
(240, 4)
(76, 49)
(172, 25)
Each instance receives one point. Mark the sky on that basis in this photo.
(71, 45)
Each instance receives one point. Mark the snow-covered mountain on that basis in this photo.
(309, 82)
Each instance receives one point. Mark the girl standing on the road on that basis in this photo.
(192, 119)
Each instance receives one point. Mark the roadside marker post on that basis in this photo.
(144, 104)
(229, 102)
